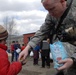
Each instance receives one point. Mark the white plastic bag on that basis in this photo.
(51, 56)
(31, 53)
(18, 50)
(39, 55)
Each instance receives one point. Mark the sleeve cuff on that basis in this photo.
(74, 61)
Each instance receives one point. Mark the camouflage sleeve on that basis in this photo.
(42, 32)
(74, 59)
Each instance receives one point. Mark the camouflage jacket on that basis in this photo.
(68, 25)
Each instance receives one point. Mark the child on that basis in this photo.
(36, 55)
(23, 46)
(5, 67)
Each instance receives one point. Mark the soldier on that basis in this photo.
(57, 9)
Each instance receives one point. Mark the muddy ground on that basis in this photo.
(30, 69)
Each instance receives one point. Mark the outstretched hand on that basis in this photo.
(67, 64)
(24, 53)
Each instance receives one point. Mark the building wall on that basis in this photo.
(26, 37)
(23, 39)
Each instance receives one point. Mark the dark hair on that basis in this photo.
(16, 41)
(13, 41)
(22, 44)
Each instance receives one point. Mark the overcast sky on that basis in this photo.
(28, 14)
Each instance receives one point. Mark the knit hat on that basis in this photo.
(3, 33)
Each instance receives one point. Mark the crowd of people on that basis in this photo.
(13, 49)
(42, 49)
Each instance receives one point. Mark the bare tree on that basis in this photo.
(10, 25)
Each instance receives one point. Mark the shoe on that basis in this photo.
(34, 64)
(48, 67)
(42, 67)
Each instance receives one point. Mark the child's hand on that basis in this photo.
(23, 62)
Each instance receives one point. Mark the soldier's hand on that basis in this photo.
(67, 64)
(22, 62)
(24, 53)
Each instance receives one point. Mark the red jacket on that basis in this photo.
(23, 47)
(7, 68)
(12, 47)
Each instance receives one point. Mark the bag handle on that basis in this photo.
(63, 16)
(59, 24)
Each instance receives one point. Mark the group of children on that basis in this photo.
(14, 47)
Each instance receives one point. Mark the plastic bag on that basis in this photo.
(39, 55)
(58, 53)
(18, 50)
(51, 56)
(31, 53)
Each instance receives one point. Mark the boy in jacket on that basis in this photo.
(7, 68)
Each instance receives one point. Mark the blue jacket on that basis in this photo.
(37, 48)
(17, 46)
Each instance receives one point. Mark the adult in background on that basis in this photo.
(57, 9)
(45, 54)
(48, 41)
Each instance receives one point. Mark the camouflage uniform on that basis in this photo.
(68, 25)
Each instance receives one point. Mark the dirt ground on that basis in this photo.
(30, 69)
